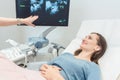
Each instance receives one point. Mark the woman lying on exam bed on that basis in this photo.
(83, 65)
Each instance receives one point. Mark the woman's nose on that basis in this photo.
(84, 39)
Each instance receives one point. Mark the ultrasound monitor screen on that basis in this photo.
(50, 12)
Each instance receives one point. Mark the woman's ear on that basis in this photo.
(97, 48)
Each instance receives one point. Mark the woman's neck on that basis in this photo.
(85, 55)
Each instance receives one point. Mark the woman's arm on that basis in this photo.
(12, 21)
(51, 72)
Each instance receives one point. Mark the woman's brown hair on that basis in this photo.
(98, 54)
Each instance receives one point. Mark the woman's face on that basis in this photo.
(89, 43)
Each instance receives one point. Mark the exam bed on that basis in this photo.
(110, 29)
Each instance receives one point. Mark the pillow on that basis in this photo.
(108, 28)
(73, 46)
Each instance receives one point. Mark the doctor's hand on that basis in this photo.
(51, 72)
(28, 21)
(13, 21)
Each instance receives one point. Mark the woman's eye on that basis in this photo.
(89, 37)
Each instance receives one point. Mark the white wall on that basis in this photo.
(79, 10)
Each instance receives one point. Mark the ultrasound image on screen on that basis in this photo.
(36, 6)
(50, 12)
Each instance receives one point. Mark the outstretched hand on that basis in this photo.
(29, 20)
(13, 21)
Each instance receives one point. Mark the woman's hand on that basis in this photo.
(45, 66)
(51, 72)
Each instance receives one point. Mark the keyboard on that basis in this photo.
(16, 53)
